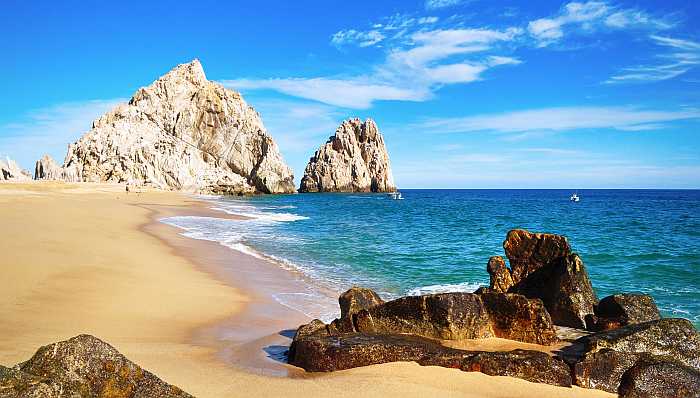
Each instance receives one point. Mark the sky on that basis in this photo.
(468, 93)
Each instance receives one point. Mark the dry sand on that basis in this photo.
(88, 258)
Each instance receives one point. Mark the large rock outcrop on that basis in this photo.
(83, 366)
(542, 266)
(182, 132)
(10, 171)
(355, 159)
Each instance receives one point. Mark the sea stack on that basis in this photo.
(354, 159)
(182, 132)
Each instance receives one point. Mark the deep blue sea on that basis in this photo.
(440, 240)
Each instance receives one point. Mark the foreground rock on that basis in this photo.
(10, 171)
(543, 266)
(371, 331)
(607, 356)
(83, 366)
(355, 159)
(621, 310)
(653, 377)
(182, 132)
(452, 316)
(330, 353)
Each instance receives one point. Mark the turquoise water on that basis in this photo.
(440, 240)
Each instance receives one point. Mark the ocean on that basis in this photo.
(644, 241)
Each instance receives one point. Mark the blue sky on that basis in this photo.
(469, 94)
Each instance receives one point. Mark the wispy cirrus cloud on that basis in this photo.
(412, 70)
(590, 17)
(561, 119)
(437, 4)
(51, 129)
(354, 92)
(680, 56)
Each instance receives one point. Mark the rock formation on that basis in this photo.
(355, 159)
(83, 366)
(371, 331)
(543, 266)
(47, 169)
(10, 171)
(638, 354)
(453, 316)
(182, 132)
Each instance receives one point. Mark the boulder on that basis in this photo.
(603, 370)
(672, 337)
(543, 266)
(660, 378)
(501, 279)
(82, 366)
(605, 357)
(623, 309)
(356, 299)
(564, 287)
(354, 159)
(330, 353)
(182, 132)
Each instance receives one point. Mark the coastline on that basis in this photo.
(108, 267)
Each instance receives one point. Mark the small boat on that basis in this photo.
(395, 195)
(574, 197)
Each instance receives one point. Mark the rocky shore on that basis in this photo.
(626, 348)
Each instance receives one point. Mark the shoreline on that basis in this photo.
(273, 323)
(81, 259)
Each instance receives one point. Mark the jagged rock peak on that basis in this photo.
(11, 171)
(182, 132)
(355, 159)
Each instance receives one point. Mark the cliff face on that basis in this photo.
(182, 132)
(355, 159)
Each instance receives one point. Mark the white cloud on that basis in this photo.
(589, 17)
(561, 119)
(352, 36)
(409, 73)
(356, 93)
(682, 56)
(50, 130)
(436, 4)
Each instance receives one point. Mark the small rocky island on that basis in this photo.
(543, 298)
(354, 159)
(183, 132)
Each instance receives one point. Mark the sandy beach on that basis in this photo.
(88, 258)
